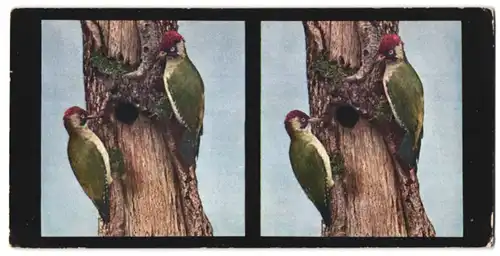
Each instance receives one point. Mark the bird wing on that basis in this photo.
(407, 96)
(310, 170)
(90, 166)
(187, 88)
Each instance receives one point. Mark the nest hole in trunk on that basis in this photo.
(126, 113)
(346, 116)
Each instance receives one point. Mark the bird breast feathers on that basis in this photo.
(389, 72)
(169, 70)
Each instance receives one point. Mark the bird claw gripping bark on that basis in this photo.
(369, 38)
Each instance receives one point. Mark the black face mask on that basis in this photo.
(172, 51)
(83, 120)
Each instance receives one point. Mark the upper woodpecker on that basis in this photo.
(185, 92)
(88, 159)
(310, 161)
(405, 95)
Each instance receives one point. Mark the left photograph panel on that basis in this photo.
(143, 128)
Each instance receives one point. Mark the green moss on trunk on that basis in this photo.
(337, 163)
(331, 70)
(116, 161)
(383, 110)
(164, 108)
(108, 66)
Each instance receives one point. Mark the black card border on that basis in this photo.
(478, 65)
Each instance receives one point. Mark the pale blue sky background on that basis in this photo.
(434, 50)
(217, 49)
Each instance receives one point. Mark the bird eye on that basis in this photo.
(391, 52)
(303, 119)
(172, 49)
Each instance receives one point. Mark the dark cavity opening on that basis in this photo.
(346, 116)
(126, 113)
(341, 61)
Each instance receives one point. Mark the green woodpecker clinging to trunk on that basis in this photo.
(310, 161)
(185, 92)
(405, 94)
(89, 159)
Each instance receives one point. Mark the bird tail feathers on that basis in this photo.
(407, 153)
(189, 147)
(325, 214)
(103, 209)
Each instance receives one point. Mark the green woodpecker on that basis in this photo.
(405, 95)
(88, 159)
(310, 161)
(185, 92)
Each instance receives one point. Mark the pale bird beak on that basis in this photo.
(94, 116)
(315, 119)
(161, 55)
(380, 57)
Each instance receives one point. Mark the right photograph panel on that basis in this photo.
(361, 128)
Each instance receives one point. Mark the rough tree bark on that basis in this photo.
(372, 195)
(153, 192)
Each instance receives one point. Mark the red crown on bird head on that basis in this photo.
(73, 110)
(295, 113)
(388, 42)
(170, 38)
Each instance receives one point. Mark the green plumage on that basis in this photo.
(310, 170)
(187, 90)
(90, 168)
(406, 94)
(185, 87)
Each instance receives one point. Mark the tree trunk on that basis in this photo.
(372, 195)
(153, 192)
